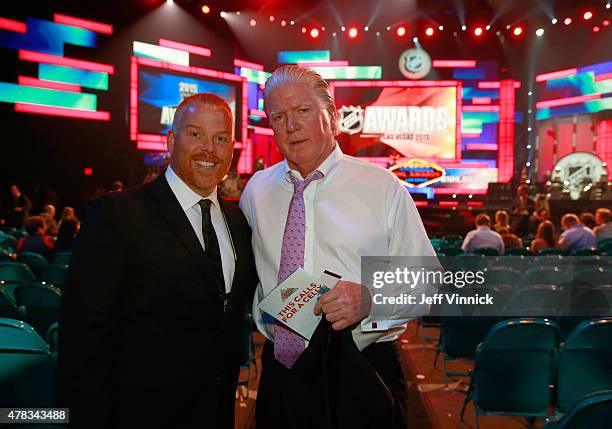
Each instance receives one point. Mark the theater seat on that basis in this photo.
(592, 411)
(40, 304)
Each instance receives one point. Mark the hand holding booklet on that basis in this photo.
(292, 302)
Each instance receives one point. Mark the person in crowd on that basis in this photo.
(522, 207)
(603, 219)
(483, 236)
(511, 241)
(538, 216)
(18, 209)
(545, 237)
(154, 306)
(502, 220)
(36, 241)
(48, 214)
(67, 234)
(320, 209)
(232, 186)
(588, 219)
(575, 235)
(117, 186)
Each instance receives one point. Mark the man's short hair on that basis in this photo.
(570, 219)
(483, 219)
(605, 214)
(204, 98)
(294, 73)
(33, 224)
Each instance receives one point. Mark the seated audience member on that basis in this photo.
(48, 214)
(36, 240)
(117, 186)
(545, 237)
(575, 236)
(603, 219)
(482, 236)
(511, 241)
(502, 220)
(67, 213)
(67, 233)
(538, 216)
(588, 219)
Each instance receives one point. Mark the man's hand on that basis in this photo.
(345, 305)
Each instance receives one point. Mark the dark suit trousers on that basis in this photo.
(279, 387)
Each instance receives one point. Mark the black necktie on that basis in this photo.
(211, 247)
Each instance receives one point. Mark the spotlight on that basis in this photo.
(415, 39)
(441, 28)
(283, 23)
(497, 33)
(292, 22)
(343, 28)
(530, 93)
(508, 27)
(608, 6)
(606, 22)
(588, 15)
(539, 32)
(169, 2)
(378, 33)
(272, 18)
(464, 27)
(314, 33)
(477, 31)
(554, 20)
(366, 28)
(205, 9)
(388, 28)
(528, 164)
(353, 32)
(567, 21)
(252, 23)
(238, 12)
(334, 34)
(596, 29)
(488, 27)
(223, 14)
(518, 31)
(303, 30)
(429, 31)
(401, 31)
(322, 28)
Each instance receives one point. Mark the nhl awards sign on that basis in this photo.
(415, 63)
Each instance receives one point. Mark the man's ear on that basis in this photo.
(333, 120)
(170, 138)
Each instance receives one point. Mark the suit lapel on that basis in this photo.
(170, 210)
(230, 214)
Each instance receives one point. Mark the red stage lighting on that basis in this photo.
(588, 15)
(429, 31)
(401, 31)
(567, 21)
(272, 18)
(252, 23)
(205, 9)
(606, 22)
(314, 33)
(283, 23)
(518, 31)
(88, 171)
(478, 31)
(303, 30)
(353, 32)
(596, 29)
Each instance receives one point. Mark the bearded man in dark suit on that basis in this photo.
(155, 296)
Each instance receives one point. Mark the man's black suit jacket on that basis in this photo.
(142, 326)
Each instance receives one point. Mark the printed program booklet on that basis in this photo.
(292, 302)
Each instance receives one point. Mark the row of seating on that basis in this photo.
(520, 359)
(35, 303)
(54, 274)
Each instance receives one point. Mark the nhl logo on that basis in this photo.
(415, 63)
(350, 119)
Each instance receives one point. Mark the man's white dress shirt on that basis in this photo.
(189, 200)
(357, 209)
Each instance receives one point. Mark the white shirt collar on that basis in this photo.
(326, 167)
(186, 197)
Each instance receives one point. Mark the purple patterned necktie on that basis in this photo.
(288, 346)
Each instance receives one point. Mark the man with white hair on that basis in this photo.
(320, 210)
